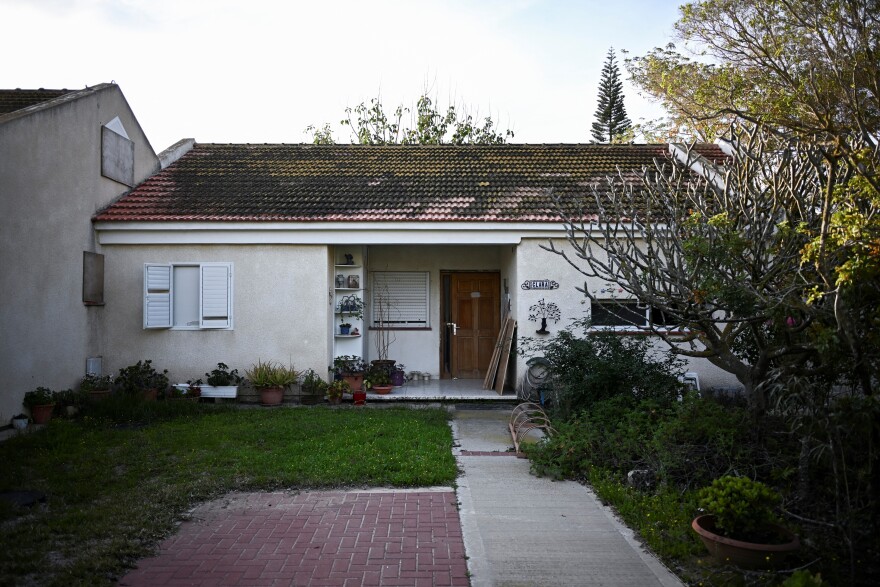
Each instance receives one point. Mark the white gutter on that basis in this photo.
(440, 233)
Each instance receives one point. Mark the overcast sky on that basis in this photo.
(260, 71)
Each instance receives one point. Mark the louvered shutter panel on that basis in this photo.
(406, 293)
(157, 296)
(215, 296)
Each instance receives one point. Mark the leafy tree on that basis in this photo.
(611, 123)
(373, 125)
(769, 266)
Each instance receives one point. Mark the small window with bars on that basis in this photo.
(399, 299)
(623, 314)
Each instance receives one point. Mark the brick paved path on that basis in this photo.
(314, 538)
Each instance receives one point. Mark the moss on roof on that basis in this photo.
(303, 183)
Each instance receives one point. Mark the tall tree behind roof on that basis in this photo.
(371, 124)
(612, 124)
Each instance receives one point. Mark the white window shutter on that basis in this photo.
(157, 295)
(216, 298)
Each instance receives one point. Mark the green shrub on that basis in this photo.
(222, 376)
(701, 441)
(41, 396)
(742, 507)
(141, 376)
(602, 365)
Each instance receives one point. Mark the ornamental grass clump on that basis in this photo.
(271, 374)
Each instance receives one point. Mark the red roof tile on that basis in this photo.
(344, 183)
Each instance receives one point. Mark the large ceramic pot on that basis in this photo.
(42, 414)
(749, 555)
(271, 396)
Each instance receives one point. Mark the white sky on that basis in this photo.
(260, 71)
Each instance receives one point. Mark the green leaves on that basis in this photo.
(742, 507)
(371, 124)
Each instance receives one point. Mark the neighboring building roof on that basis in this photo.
(312, 183)
(13, 100)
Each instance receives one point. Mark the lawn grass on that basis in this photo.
(115, 492)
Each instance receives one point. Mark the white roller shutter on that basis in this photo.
(215, 300)
(406, 295)
(157, 296)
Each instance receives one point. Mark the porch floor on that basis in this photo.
(442, 390)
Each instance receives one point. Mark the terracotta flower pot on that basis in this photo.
(382, 389)
(97, 395)
(355, 381)
(749, 555)
(42, 414)
(271, 396)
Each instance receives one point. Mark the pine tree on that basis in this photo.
(611, 121)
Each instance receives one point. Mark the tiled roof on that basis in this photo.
(309, 183)
(12, 100)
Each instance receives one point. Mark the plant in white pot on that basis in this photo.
(20, 421)
(221, 382)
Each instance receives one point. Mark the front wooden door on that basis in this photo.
(473, 330)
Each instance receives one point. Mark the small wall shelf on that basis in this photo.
(343, 277)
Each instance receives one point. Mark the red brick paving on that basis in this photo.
(316, 538)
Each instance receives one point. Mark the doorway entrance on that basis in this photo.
(471, 316)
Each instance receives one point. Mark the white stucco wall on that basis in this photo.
(535, 263)
(280, 310)
(419, 350)
(50, 185)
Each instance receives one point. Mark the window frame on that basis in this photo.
(215, 289)
(646, 326)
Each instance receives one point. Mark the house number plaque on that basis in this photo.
(540, 284)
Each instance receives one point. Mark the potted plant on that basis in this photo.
(20, 421)
(350, 308)
(70, 400)
(313, 388)
(221, 382)
(740, 526)
(379, 379)
(398, 375)
(384, 335)
(335, 389)
(270, 379)
(350, 368)
(41, 403)
(96, 386)
(142, 378)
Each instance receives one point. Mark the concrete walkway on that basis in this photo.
(500, 527)
(522, 530)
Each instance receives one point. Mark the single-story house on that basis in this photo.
(210, 253)
(239, 252)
